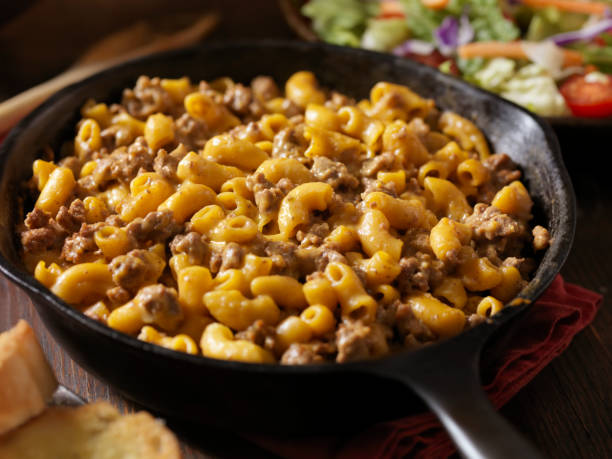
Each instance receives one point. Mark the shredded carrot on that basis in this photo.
(570, 5)
(435, 4)
(391, 9)
(511, 50)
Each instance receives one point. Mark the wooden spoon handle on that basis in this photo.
(15, 108)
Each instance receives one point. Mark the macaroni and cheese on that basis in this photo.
(246, 223)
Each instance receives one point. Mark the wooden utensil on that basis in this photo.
(137, 40)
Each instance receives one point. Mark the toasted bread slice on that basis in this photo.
(93, 431)
(26, 379)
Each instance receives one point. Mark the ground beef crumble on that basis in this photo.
(308, 353)
(334, 173)
(261, 334)
(132, 270)
(502, 171)
(193, 244)
(155, 227)
(79, 247)
(147, 98)
(420, 272)
(357, 341)
(160, 306)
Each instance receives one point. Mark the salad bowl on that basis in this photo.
(552, 57)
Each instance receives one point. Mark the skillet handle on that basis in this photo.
(450, 385)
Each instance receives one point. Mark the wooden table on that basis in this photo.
(566, 410)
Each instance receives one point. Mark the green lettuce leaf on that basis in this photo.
(385, 34)
(551, 21)
(421, 20)
(341, 22)
(495, 73)
(485, 16)
(534, 88)
(599, 56)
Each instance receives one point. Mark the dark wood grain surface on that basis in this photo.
(566, 410)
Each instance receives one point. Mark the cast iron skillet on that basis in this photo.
(300, 399)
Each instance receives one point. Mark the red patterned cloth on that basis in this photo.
(546, 330)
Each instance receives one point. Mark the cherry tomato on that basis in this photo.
(588, 97)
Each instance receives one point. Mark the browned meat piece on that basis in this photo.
(326, 256)
(290, 109)
(383, 162)
(193, 244)
(87, 186)
(420, 272)
(419, 127)
(42, 232)
(160, 306)
(290, 143)
(333, 172)
(205, 88)
(37, 219)
(257, 182)
(73, 163)
(118, 295)
(232, 256)
(228, 256)
(132, 270)
(373, 184)
(283, 255)
(147, 98)
(191, 132)
(114, 137)
(114, 220)
(39, 239)
(71, 218)
(268, 200)
(475, 319)
(314, 236)
(154, 227)
(267, 196)
(524, 265)
(239, 99)
(541, 238)
(416, 240)
(264, 88)
(165, 164)
(503, 171)
(261, 334)
(122, 164)
(497, 235)
(407, 324)
(250, 131)
(499, 162)
(489, 223)
(308, 353)
(78, 247)
(385, 313)
(337, 100)
(358, 341)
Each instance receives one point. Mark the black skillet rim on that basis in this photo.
(540, 281)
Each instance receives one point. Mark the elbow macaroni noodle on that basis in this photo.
(239, 224)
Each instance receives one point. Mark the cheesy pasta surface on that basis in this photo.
(298, 226)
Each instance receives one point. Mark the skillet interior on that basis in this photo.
(257, 397)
